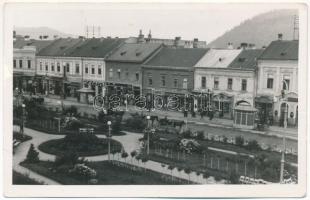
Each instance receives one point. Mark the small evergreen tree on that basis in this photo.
(32, 155)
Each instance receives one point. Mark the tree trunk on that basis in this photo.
(211, 161)
(204, 159)
(255, 172)
(218, 163)
(244, 168)
(227, 165)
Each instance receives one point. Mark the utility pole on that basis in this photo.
(282, 160)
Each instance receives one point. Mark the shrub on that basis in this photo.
(74, 125)
(253, 146)
(68, 158)
(239, 141)
(233, 178)
(32, 155)
(200, 135)
(84, 172)
(72, 111)
(136, 123)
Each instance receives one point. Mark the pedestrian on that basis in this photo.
(201, 114)
(211, 115)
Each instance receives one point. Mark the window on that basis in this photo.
(68, 67)
(77, 68)
(286, 83)
(46, 66)
(41, 66)
(137, 77)
(86, 69)
(185, 83)
(203, 82)
(111, 73)
(99, 69)
(229, 83)
(14, 63)
(119, 73)
(127, 74)
(216, 83)
(29, 64)
(163, 80)
(92, 69)
(150, 80)
(58, 67)
(20, 63)
(53, 67)
(175, 83)
(270, 83)
(243, 84)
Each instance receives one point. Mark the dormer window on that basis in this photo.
(138, 53)
(123, 53)
(220, 59)
(283, 54)
(241, 59)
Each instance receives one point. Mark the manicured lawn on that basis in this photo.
(59, 147)
(107, 174)
(21, 137)
(21, 179)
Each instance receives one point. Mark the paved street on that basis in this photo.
(220, 127)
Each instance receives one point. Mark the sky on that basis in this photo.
(203, 21)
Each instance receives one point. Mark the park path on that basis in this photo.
(130, 142)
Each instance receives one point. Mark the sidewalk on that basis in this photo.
(291, 133)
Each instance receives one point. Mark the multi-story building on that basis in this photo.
(177, 42)
(219, 83)
(123, 67)
(277, 89)
(24, 63)
(170, 74)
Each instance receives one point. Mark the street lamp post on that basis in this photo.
(109, 137)
(148, 133)
(282, 161)
(23, 122)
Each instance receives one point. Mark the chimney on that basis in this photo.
(14, 34)
(140, 37)
(243, 45)
(252, 46)
(280, 36)
(230, 45)
(195, 43)
(177, 41)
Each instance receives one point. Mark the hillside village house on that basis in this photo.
(218, 83)
(123, 68)
(24, 63)
(277, 90)
(170, 73)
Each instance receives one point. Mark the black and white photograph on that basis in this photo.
(183, 97)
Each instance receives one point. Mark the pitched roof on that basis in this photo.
(133, 52)
(176, 57)
(218, 58)
(60, 47)
(39, 44)
(281, 50)
(95, 47)
(246, 60)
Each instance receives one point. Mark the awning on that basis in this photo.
(264, 99)
(245, 108)
(86, 90)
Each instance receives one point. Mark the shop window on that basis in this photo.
(29, 64)
(20, 63)
(244, 85)
(203, 82)
(185, 83)
(229, 83)
(14, 63)
(216, 83)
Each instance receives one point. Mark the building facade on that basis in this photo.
(170, 74)
(277, 90)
